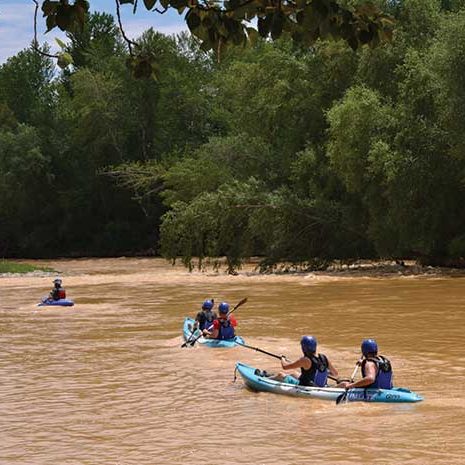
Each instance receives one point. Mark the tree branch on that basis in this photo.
(130, 42)
(35, 42)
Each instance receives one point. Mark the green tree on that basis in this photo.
(25, 180)
(26, 87)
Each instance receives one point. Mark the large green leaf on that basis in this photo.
(193, 20)
(149, 4)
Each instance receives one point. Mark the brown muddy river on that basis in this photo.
(106, 382)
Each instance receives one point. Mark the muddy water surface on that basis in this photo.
(106, 382)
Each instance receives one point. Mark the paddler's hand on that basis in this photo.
(283, 359)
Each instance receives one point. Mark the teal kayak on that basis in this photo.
(255, 380)
(187, 334)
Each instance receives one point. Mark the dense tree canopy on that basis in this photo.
(288, 152)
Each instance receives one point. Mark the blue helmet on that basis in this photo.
(223, 307)
(308, 344)
(57, 281)
(369, 346)
(207, 305)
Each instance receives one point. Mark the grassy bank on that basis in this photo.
(14, 267)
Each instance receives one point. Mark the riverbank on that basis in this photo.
(374, 269)
(11, 268)
(251, 267)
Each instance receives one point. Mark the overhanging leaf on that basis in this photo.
(149, 4)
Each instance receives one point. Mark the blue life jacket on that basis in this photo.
(383, 378)
(317, 375)
(206, 318)
(226, 330)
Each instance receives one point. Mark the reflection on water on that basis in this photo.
(106, 382)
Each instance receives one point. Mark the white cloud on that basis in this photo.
(135, 28)
(17, 28)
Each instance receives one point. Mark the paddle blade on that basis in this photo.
(341, 398)
(241, 302)
(192, 343)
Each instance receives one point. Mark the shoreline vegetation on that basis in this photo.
(8, 267)
(363, 268)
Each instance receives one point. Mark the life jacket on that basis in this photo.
(206, 319)
(383, 378)
(317, 375)
(58, 293)
(226, 330)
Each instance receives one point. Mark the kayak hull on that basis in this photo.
(56, 303)
(261, 383)
(214, 343)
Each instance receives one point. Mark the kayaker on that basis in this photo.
(376, 369)
(223, 326)
(314, 368)
(57, 292)
(206, 316)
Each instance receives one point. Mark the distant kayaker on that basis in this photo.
(314, 368)
(57, 292)
(223, 326)
(376, 369)
(206, 316)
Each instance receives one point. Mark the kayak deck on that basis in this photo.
(214, 343)
(254, 381)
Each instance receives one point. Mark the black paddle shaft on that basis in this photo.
(343, 397)
(261, 350)
(275, 356)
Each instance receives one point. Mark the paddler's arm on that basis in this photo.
(302, 362)
(197, 320)
(215, 331)
(332, 370)
(369, 378)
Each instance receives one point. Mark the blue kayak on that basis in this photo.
(59, 303)
(255, 380)
(187, 334)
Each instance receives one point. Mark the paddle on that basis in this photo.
(189, 339)
(343, 397)
(262, 351)
(241, 302)
(275, 356)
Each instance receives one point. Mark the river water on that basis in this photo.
(106, 382)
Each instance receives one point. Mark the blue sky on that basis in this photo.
(17, 17)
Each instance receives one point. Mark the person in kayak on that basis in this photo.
(376, 369)
(314, 368)
(206, 316)
(223, 326)
(57, 292)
